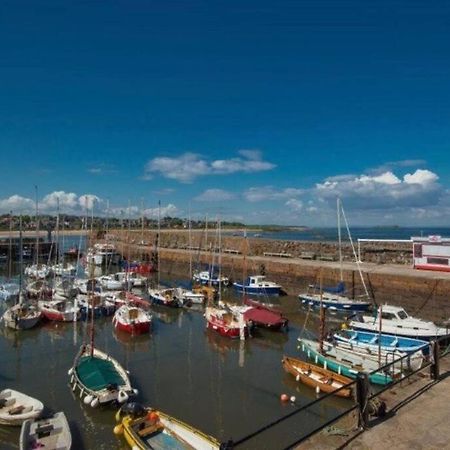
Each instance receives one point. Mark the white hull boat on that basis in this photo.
(21, 317)
(395, 321)
(16, 407)
(52, 433)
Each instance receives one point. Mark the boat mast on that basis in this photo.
(37, 228)
(157, 243)
(190, 242)
(20, 259)
(338, 209)
(142, 229)
(10, 246)
(322, 316)
(220, 259)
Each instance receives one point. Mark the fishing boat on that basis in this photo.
(396, 322)
(257, 285)
(388, 342)
(59, 310)
(227, 322)
(16, 407)
(148, 428)
(317, 377)
(263, 316)
(51, 433)
(344, 363)
(132, 319)
(99, 378)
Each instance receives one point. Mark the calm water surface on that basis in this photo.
(225, 388)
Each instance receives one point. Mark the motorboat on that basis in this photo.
(206, 277)
(258, 285)
(396, 321)
(132, 319)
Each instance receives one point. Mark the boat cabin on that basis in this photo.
(258, 280)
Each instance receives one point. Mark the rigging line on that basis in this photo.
(358, 264)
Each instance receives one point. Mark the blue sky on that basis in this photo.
(260, 111)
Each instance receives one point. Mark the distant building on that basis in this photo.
(431, 253)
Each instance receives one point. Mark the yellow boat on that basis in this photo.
(148, 428)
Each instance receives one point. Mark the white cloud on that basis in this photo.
(188, 166)
(383, 191)
(169, 210)
(66, 200)
(294, 204)
(215, 195)
(421, 176)
(89, 201)
(16, 204)
(264, 193)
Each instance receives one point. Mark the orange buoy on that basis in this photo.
(152, 416)
(284, 397)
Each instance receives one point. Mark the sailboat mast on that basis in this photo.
(338, 208)
(37, 227)
(322, 316)
(20, 259)
(10, 246)
(190, 242)
(220, 258)
(157, 242)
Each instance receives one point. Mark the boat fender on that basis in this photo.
(292, 399)
(297, 378)
(284, 397)
(74, 387)
(71, 379)
(95, 402)
(70, 371)
(88, 399)
(81, 392)
(118, 429)
(317, 390)
(135, 392)
(122, 397)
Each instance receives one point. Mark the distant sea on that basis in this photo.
(331, 234)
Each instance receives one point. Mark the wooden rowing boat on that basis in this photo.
(147, 428)
(317, 377)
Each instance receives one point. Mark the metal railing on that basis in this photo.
(363, 397)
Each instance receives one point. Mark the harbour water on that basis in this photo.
(331, 234)
(225, 388)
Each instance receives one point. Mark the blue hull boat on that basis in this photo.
(257, 285)
(334, 302)
(373, 341)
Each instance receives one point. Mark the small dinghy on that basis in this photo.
(317, 377)
(147, 428)
(52, 433)
(16, 407)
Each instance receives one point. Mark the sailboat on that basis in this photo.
(223, 319)
(98, 376)
(334, 298)
(23, 315)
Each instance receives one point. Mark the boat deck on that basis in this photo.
(96, 374)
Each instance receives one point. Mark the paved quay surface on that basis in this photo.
(417, 417)
(422, 423)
